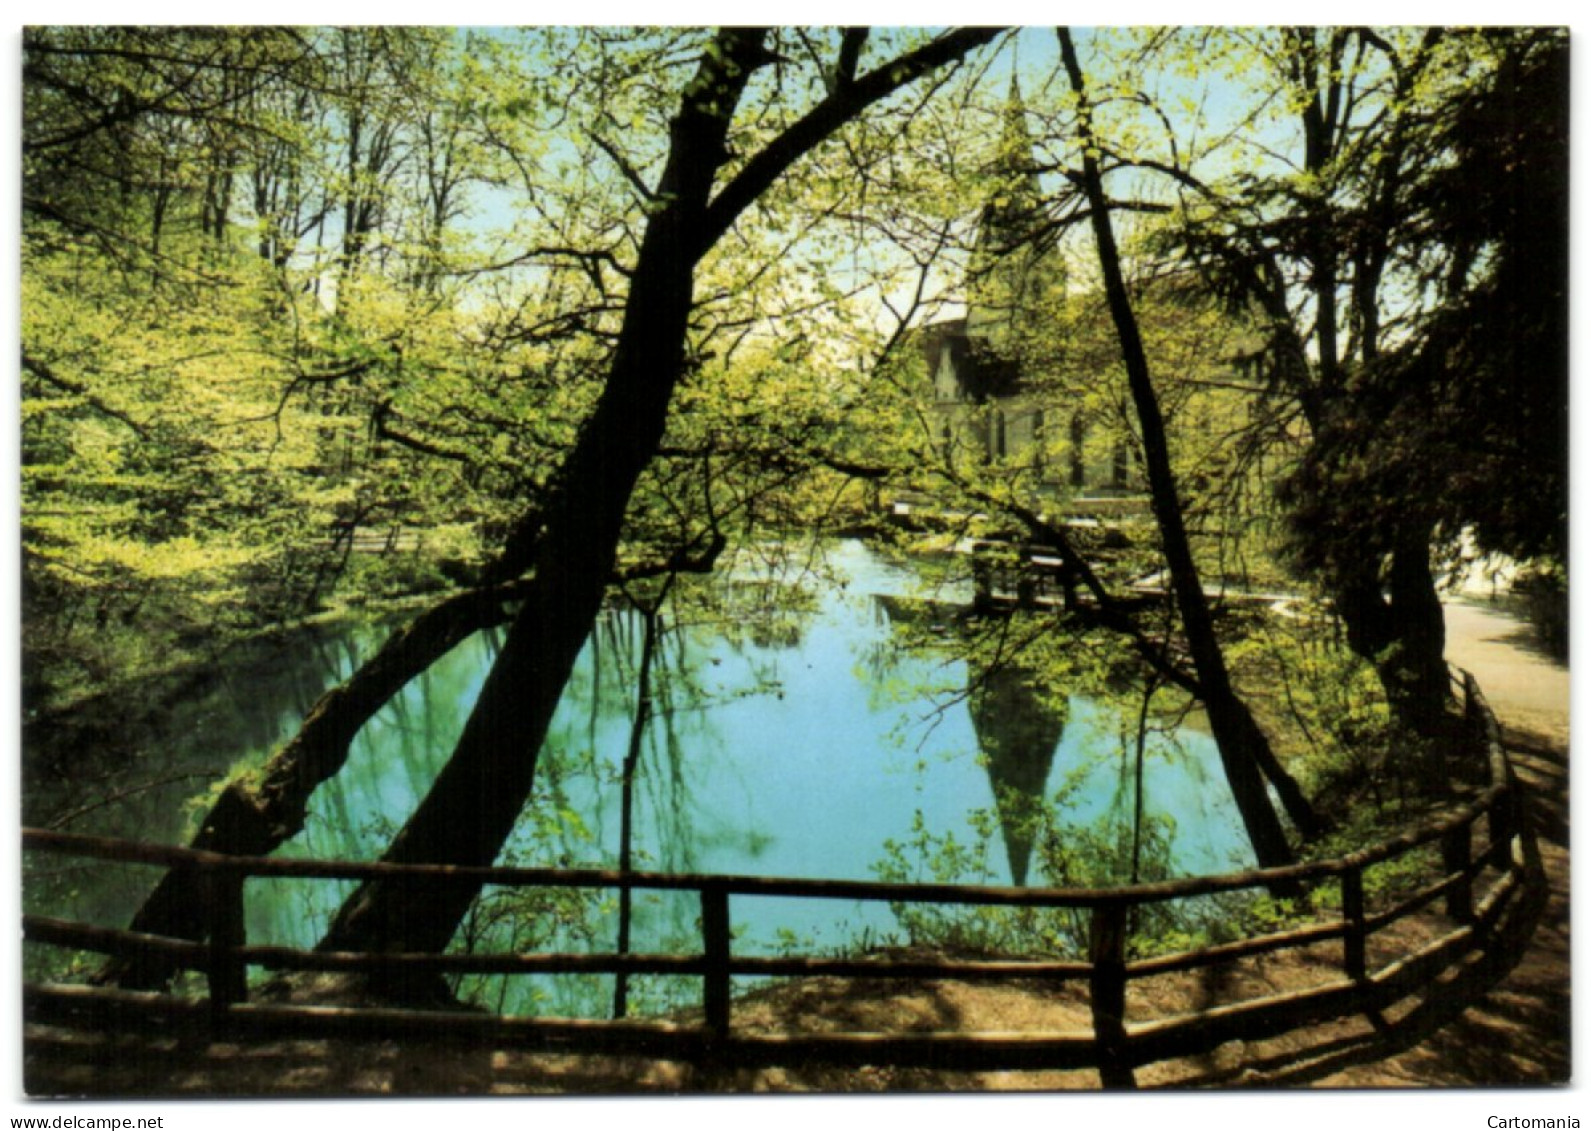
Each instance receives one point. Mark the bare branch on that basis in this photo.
(629, 171)
(819, 123)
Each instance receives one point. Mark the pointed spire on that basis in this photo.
(1014, 135)
(1016, 194)
(1018, 735)
(1009, 273)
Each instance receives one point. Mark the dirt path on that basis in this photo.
(1516, 1034)
(1528, 689)
(1519, 1033)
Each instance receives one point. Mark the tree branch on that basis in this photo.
(851, 44)
(629, 171)
(818, 124)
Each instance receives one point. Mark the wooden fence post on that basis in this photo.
(715, 948)
(1455, 859)
(1500, 826)
(228, 975)
(1107, 984)
(1353, 916)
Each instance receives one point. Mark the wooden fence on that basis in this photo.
(1489, 869)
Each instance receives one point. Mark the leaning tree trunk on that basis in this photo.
(1237, 738)
(570, 541)
(479, 795)
(1107, 612)
(255, 816)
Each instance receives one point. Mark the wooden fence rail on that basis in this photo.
(1114, 1045)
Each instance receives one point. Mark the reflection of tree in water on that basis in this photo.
(914, 628)
(148, 776)
(613, 794)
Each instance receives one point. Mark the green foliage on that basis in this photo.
(1462, 423)
(1544, 589)
(1336, 730)
(305, 288)
(1103, 856)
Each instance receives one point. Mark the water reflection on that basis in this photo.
(1018, 733)
(787, 737)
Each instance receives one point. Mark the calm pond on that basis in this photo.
(808, 744)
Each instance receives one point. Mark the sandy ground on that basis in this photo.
(1515, 1033)
(1527, 688)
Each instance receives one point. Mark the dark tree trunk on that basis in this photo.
(1108, 612)
(480, 793)
(572, 540)
(253, 820)
(570, 544)
(1400, 631)
(632, 763)
(1239, 740)
(1418, 668)
(1397, 624)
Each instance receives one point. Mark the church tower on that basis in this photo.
(1015, 273)
(982, 367)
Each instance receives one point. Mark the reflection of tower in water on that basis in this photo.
(1018, 730)
(1018, 733)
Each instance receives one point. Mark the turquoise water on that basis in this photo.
(811, 744)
